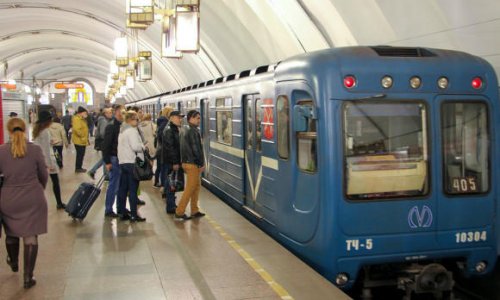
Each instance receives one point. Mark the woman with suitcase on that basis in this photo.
(41, 137)
(22, 200)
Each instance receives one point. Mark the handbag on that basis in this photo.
(58, 159)
(176, 181)
(143, 169)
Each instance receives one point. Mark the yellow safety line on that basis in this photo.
(255, 265)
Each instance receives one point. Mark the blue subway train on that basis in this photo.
(375, 165)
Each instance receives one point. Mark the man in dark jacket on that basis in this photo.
(171, 155)
(110, 156)
(66, 121)
(193, 164)
(161, 123)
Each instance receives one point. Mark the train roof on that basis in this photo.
(356, 58)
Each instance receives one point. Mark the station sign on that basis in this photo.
(63, 86)
(8, 86)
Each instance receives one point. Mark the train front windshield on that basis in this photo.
(386, 150)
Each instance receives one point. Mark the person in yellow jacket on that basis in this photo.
(80, 137)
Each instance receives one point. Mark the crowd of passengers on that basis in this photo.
(122, 135)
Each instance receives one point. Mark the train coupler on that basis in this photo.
(429, 279)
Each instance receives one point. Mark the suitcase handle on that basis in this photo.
(101, 181)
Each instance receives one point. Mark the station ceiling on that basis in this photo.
(68, 39)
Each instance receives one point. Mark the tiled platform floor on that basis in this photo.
(160, 259)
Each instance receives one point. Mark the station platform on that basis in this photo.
(220, 256)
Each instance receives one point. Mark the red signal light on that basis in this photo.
(349, 81)
(477, 83)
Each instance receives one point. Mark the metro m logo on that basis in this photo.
(420, 219)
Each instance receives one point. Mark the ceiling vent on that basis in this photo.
(402, 51)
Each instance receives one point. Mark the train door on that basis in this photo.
(253, 148)
(298, 152)
(205, 131)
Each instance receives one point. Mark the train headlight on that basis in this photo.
(481, 266)
(477, 83)
(341, 279)
(386, 82)
(415, 82)
(349, 81)
(442, 82)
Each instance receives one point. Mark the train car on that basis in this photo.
(374, 165)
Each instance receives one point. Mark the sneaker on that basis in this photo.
(61, 206)
(141, 202)
(182, 217)
(198, 215)
(91, 174)
(156, 185)
(80, 170)
(111, 215)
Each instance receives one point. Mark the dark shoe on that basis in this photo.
(106, 178)
(170, 211)
(80, 170)
(157, 185)
(183, 217)
(91, 174)
(141, 202)
(61, 206)
(125, 217)
(198, 215)
(137, 219)
(111, 215)
(30, 254)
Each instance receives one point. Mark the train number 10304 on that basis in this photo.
(470, 237)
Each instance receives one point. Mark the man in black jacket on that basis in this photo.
(110, 157)
(171, 156)
(193, 164)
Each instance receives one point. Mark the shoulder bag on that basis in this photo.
(143, 169)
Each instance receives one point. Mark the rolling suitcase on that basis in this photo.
(83, 199)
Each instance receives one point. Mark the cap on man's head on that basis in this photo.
(176, 113)
(81, 109)
(12, 114)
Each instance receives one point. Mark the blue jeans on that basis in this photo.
(114, 184)
(128, 186)
(166, 169)
(99, 163)
(158, 172)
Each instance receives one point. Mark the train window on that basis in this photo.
(283, 127)
(248, 118)
(306, 144)
(386, 150)
(465, 148)
(224, 117)
(258, 125)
